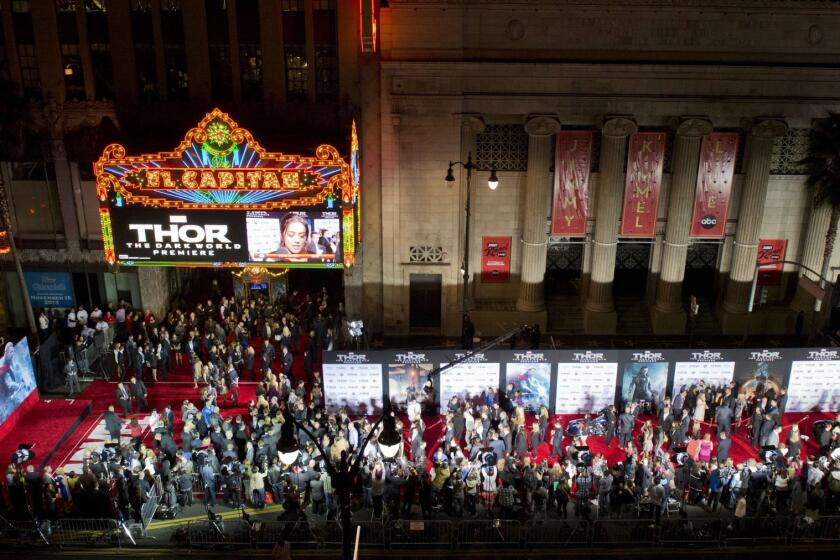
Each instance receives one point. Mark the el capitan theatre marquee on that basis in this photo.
(219, 199)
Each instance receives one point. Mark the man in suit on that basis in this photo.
(757, 420)
(625, 427)
(113, 424)
(130, 354)
(288, 360)
(782, 401)
(610, 416)
(723, 417)
(724, 443)
(168, 419)
(557, 440)
(118, 356)
(267, 356)
(123, 398)
(138, 389)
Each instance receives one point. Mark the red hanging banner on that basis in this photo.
(572, 164)
(771, 253)
(645, 157)
(714, 184)
(495, 260)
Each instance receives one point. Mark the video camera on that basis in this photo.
(23, 454)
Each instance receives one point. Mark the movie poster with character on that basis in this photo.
(644, 377)
(760, 371)
(353, 382)
(528, 381)
(410, 377)
(701, 368)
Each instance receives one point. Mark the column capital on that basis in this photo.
(693, 127)
(541, 125)
(471, 122)
(618, 126)
(768, 128)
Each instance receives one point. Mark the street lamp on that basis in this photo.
(492, 183)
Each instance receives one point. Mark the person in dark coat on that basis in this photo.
(625, 427)
(138, 390)
(123, 398)
(520, 444)
(288, 360)
(557, 440)
(609, 414)
(723, 445)
(723, 417)
(113, 424)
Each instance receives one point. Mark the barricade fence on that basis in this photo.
(445, 534)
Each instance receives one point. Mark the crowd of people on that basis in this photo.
(493, 459)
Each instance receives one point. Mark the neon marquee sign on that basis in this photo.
(220, 166)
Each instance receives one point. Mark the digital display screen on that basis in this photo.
(162, 236)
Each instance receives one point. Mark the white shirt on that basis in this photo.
(102, 326)
(43, 322)
(71, 320)
(82, 316)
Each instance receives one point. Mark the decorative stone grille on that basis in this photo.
(788, 151)
(502, 145)
(426, 254)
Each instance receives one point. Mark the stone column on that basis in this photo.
(668, 315)
(540, 130)
(812, 256)
(599, 312)
(750, 213)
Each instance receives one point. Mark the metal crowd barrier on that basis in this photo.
(207, 534)
(571, 532)
(493, 532)
(694, 533)
(150, 506)
(436, 534)
(86, 533)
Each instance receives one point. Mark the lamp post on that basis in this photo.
(342, 475)
(492, 183)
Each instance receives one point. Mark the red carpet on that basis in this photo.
(47, 422)
(45, 425)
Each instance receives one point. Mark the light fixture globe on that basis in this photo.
(493, 180)
(450, 177)
(288, 447)
(390, 440)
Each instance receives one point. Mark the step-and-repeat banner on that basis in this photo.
(574, 381)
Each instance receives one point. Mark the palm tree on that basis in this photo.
(823, 165)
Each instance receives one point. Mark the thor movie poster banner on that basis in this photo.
(645, 157)
(714, 184)
(573, 160)
(495, 260)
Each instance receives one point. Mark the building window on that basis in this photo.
(141, 5)
(170, 5)
(296, 72)
(326, 72)
(220, 77)
(95, 6)
(103, 72)
(292, 5)
(144, 61)
(66, 6)
(20, 6)
(74, 77)
(177, 83)
(29, 70)
(250, 63)
(323, 4)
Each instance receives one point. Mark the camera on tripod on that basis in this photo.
(23, 454)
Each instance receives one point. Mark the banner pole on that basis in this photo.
(752, 290)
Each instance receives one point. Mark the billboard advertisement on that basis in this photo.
(572, 164)
(576, 381)
(353, 382)
(50, 289)
(645, 160)
(714, 184)
(814, 383)
(294, 237)
(585, 381)
(17, 377)
(707, 368)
